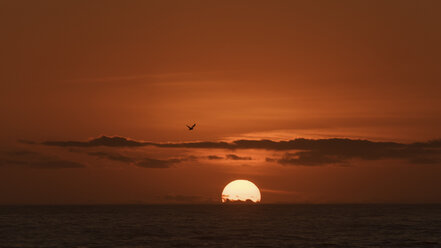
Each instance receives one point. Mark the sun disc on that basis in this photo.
(241, 191)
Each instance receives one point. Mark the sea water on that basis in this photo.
(221, 226)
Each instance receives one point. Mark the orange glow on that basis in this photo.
(253, 75)
(241, 190)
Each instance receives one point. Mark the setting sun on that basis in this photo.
(241, 191)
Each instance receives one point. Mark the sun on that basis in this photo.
(241, 191)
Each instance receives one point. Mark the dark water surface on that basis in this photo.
(221, 226)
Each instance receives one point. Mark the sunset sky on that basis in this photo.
(313, 101)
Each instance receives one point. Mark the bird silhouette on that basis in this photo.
(191, 128)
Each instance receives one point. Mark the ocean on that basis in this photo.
(221, 226)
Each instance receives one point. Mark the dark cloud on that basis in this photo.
(101, 141)
(124, 142)
(112, 156)
(235, 157)
(29, 159)
(141, 162)
(335, 154)
(307, 151)
(158, 163)
(270, 159)
(162, 163)
(203, 145)
(309, 159)
(296, 144)
(214, 157)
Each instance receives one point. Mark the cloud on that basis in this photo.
(341, 153)
(112, 156)
(101, 141)
(228, 156)
(310, 159)
(296, 144)
(141, 161)
(116, 141)
(158, 163)
(310, 152)
(214, 157)
(235, 157)
(29, 159)
(162, 163)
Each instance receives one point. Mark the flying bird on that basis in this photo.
(191, 128)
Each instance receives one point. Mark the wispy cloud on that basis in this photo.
(112, 156)
(101, 141)
(141, 161)
(157, 163)
(214, 157)
(30, 159)
(235, 157)
(162, 163)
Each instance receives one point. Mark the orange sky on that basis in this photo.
(276, 70)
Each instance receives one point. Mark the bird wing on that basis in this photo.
(188, 126)
(193, 125)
